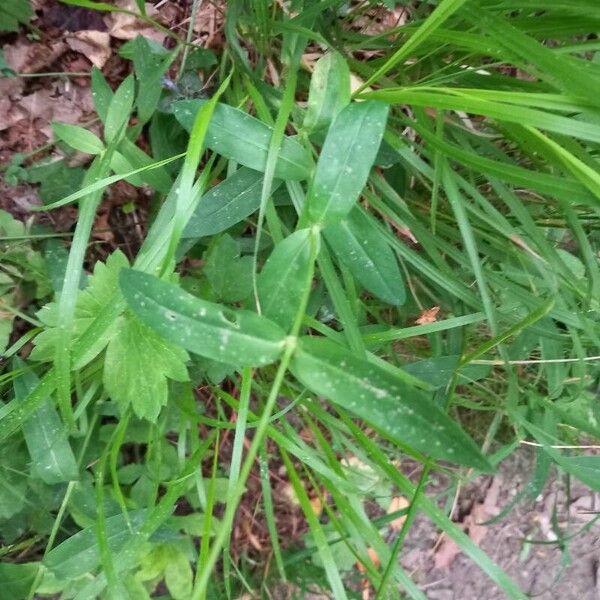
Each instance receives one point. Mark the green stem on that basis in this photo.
(205, 569)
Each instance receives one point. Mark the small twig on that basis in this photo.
(559, 447)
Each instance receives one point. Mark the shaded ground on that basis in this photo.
(544, 571)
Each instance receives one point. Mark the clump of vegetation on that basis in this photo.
(355, 237)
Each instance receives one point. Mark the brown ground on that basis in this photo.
(543, 571)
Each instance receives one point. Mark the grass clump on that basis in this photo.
(394, 234)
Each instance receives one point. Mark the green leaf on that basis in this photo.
(329, 91)
(101, 93)
(229, 275)
(100, 291)
(119, 109)
(13, 481)
(52, 459)
(283, 278)
(240, 338)
(127, 376)
(357, 242)
(78, 138)
(346, 159)
(399, 412)
(56, 178)
(584, 468)
(178, 575)
(5, 70)
(226, 204)
(14, 13)
(150, 66)
(16, 579)
(240, 137)
(157, 178)
(79, 554)
(6, 325)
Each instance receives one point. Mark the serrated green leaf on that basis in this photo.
(357, 243)
(283, 278)
(329, 91)
(228, 203)
(401, 413)
(229, 275)
(119, 109)
(137, 365)
(78, 138)
(100, 291)
(240, 338)
(52, 459)
(345, 161)
(240, 137)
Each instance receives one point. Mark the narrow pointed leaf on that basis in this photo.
(119, 109)
(226, 204)
(357, 243)
(240, 338)
(240, 137)
(399, 412)
(283, 278)
(346, 159)
(329, 91)
(52, 459)
(78, 138)
(80, 553)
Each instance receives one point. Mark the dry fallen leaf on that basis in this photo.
(127, 27)
(428, 316)
(317, 505)
(397, 503)
(25, 57)
(366, 586)
(94, 45)
(444, 556)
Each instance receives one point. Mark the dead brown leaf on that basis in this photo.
(444, 556)
(127, 27)
(428, 316)
(26, 57)
(397, 503)
(94, 45)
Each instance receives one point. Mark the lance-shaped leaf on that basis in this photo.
(240, 137)
(228, 203)
(237, 337)
(52, 459)
(399, 412)
(283, 278)
(358, 244)
(346, 158)
(329, 91)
